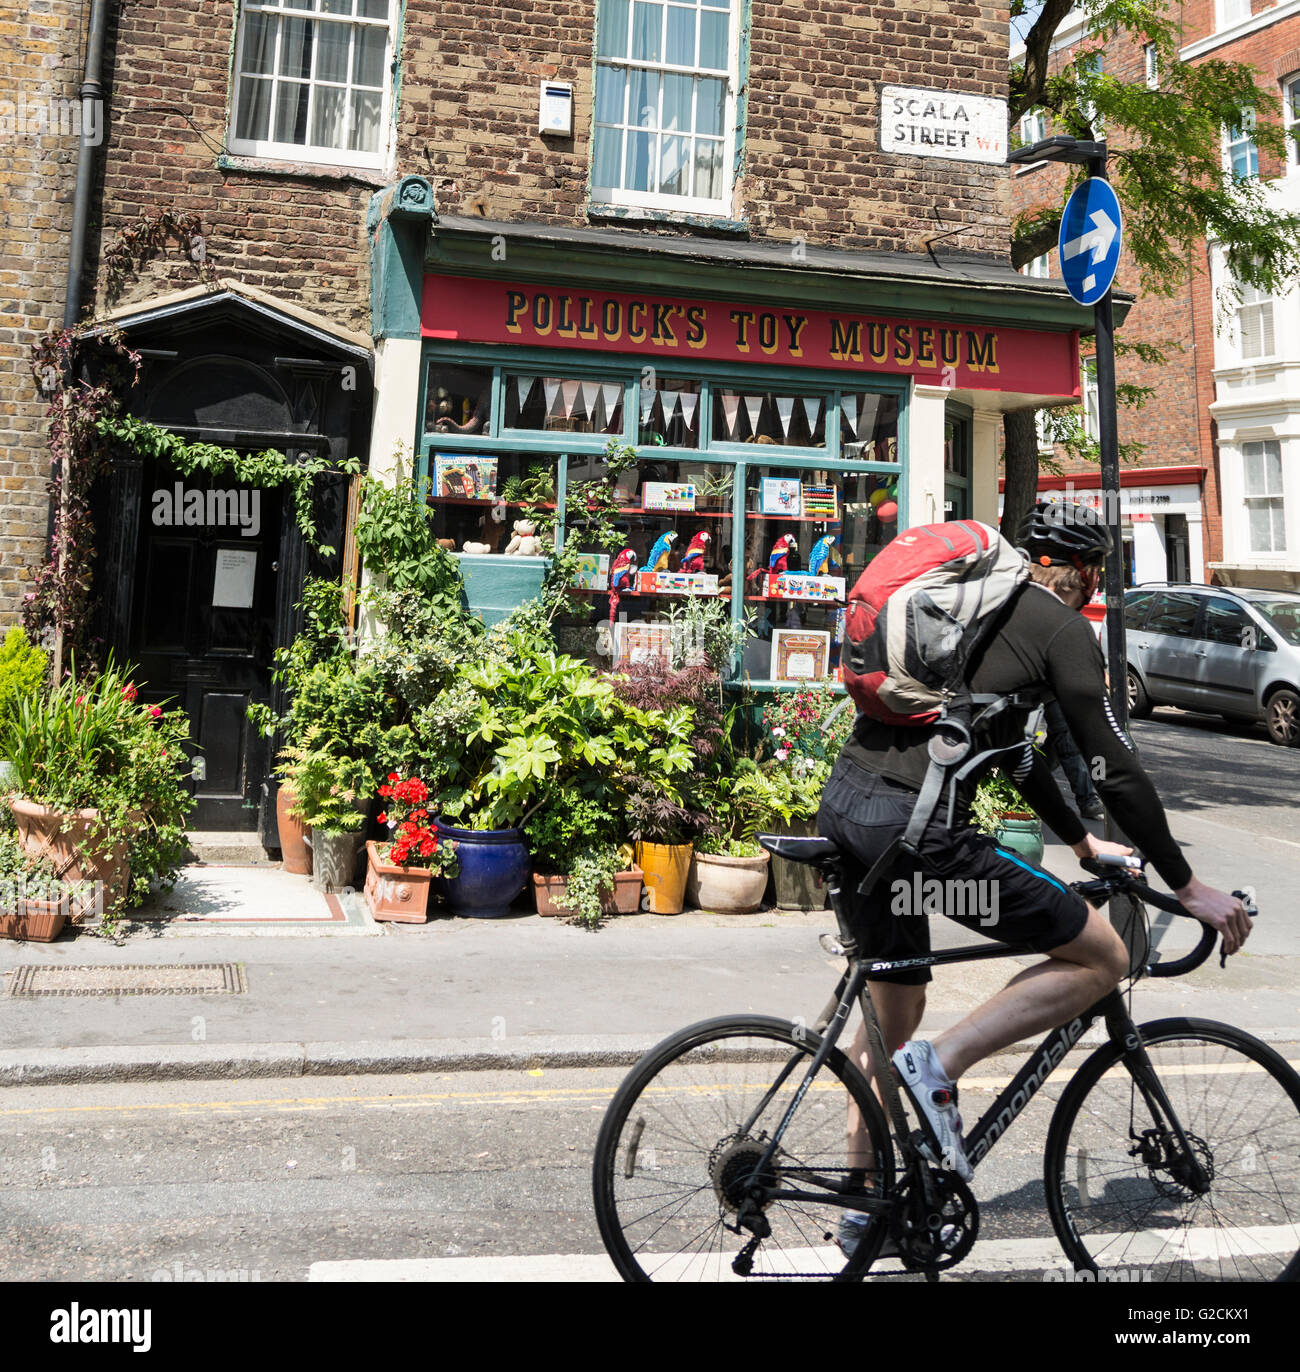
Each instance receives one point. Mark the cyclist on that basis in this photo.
(1038, 642)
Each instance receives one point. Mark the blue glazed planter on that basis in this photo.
(493, 867)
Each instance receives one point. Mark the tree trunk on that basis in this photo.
(1021, 458)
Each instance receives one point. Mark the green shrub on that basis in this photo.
(23, 669)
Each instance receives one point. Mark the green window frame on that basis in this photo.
(630, 369)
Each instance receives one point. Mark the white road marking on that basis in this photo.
(988, 1256)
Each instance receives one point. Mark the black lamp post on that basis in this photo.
(1063, 148)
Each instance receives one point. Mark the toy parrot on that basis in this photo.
(693, 557)
(779, 559)
(658, 559)
(824, 560)
(622, 577)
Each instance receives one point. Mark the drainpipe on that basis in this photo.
(91, 98)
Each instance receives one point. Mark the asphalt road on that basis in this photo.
(452, 1178)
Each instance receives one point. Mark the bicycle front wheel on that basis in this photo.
(682, 1144)
(1124, 1202)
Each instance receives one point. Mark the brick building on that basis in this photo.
(495, 238)
(1207, 499)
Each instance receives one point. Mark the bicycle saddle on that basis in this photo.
(823, 853)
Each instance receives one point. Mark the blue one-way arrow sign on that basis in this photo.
(1090, 240)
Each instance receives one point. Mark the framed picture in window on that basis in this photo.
(800, 654)
(782, 495)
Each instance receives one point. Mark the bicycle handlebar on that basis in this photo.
(1126, 874)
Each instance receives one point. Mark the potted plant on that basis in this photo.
(665, 831)
(34, 903)
(329, 801)
(514, 730)
(400, 872)
(999, 809)
(584, 873)
(730, 868)
(100, 776)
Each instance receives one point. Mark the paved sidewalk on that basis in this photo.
(466, 994)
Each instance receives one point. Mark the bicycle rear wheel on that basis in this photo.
(684, 1134)
(1119, 1201)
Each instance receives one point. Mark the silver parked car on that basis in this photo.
(1230, 652)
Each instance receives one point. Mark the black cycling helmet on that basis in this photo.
(1065, 535)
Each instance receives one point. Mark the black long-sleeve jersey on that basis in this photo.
(1039, 643)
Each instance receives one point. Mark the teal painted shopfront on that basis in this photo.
(789, 414)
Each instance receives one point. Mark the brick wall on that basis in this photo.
(37, 169)
(300, 236)
(811, 167)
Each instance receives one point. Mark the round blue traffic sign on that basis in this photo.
(1092, 234)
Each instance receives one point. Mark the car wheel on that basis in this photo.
(1283, 718)
(1139, 703)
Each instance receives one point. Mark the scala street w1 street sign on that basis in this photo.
(1090, 240)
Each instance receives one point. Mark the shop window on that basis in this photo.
(565, 404)
(313, 80)
(669, 412)
(768, 418)
(664, 106)
(1240, 153)
(869, 426)
(676, 521)
(458, 400)
(826, 526)
(1265, 514)
(475, 497)
(1254, 324)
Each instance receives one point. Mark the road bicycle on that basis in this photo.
(1173, 1153)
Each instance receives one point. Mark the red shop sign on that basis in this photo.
(961, 356)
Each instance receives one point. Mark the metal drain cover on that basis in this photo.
(181, 979)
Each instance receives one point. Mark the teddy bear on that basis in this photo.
(477, 548)
(525, 543)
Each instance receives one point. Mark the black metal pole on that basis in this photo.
(1116, 652)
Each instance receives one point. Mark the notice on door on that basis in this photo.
(236, 572)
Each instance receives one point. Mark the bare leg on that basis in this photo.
(899, 1010)
(1041, 997)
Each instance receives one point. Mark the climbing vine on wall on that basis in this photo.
(144, 239)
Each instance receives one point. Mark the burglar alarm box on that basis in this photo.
(556, 109)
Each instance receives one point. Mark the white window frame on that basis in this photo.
(1151, 66)
(1033, 127)
(273, 150)
(1090, 398)
(1229, 13)
(1245, 132)
(1275, 499)
(1038, 267)
(1291, 119)
(1095, 63)
(657, 200)
(1250, 298)
(1045, 443)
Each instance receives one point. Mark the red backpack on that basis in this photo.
(917, 612)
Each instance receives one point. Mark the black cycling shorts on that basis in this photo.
(962, 874)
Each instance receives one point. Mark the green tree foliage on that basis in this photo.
(1166, 163)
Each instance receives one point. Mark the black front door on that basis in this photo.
(203, 627)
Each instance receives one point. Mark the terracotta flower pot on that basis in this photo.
(665, 867)
(69, 840)
(396, 894)
(729, 885)
(624, 899)
(294, 852)
(35, 921)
